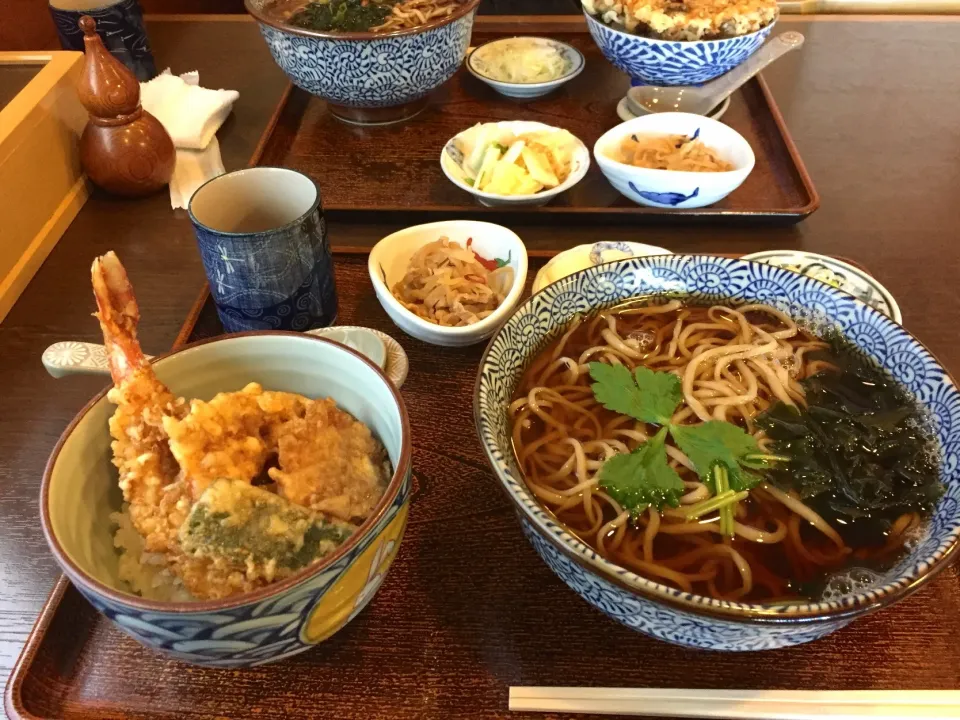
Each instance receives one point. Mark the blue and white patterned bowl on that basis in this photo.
(360, 74)
(670, 62)
(658, 610)
(80, 491)
(675, 189)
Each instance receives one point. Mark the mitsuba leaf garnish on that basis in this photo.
(643, 477)
(644, 394)
(717, 442)
(725, 457)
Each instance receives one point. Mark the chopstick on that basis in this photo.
(741, 704)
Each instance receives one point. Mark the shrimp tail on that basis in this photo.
(119, 315)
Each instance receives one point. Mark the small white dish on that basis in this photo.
(363, 340)
(839, 274)
(584, 256)
(675, 189)
(625, 113)
(390, 258)
(450, 158)
(573, 59)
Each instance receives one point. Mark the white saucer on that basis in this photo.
(390, 356)
(837, 273)
(623, 110)
(584, 256)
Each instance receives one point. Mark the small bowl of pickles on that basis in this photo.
(525, 67)
(515, 162)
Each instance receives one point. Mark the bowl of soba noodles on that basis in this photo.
(722, 454)
(373, 61)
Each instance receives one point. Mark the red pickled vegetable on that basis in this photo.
(490, 265)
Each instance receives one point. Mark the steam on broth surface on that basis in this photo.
(724, 451)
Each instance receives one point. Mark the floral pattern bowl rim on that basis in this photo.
(255, 8)
(278, 588)
(528, 508)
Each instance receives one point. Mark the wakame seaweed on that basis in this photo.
(343, 15)
(860, 454)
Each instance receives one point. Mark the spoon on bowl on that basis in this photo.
(647, 99)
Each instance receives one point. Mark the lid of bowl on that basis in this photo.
(834, 272)
(584, 256)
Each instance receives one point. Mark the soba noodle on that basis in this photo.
(411, 13)
(734, 363)
(362, 15)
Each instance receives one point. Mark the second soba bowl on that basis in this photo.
(369, 77)
(662, 611)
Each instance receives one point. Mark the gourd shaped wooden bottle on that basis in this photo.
(124, 149)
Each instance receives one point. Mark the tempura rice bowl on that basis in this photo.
(649, 61)
(658, 610)
(80, 493)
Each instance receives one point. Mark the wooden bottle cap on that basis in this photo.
(107, 88)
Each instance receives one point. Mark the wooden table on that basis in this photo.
(885, 163)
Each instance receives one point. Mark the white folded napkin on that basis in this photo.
(194, 168)
(191, 115)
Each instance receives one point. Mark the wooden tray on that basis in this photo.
(467, 610)
(394, 170)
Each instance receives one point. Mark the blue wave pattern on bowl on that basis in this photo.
(704, 279)
(372, 73)
(661, 62)
(667, 624)
(664, 198)
(252, 634)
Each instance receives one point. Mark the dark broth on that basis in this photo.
(861, 455)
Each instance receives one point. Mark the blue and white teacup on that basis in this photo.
(263, 241)
(119, 25)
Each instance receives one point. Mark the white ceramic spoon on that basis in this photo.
(81, 358)
(646, 99)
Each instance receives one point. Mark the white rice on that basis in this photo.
(146, 573)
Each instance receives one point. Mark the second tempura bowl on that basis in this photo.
(655, 609)
(649, 61)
